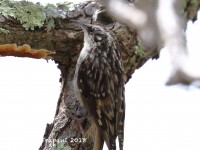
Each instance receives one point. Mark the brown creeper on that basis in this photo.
(99, 80)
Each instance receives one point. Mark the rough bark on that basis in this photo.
(66, 39)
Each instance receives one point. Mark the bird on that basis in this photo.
(99, 83)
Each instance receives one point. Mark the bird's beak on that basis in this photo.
(81, 24)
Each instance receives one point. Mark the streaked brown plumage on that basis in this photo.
(99, 80)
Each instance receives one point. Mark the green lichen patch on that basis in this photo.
(69, 5)
(194, 1)
(4, 31)
(61, 146)
(30, 15)
(139, 51)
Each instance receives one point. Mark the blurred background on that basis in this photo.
(157, 117)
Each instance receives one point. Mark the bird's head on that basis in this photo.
(92, 33)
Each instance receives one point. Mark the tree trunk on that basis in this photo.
(66, 39)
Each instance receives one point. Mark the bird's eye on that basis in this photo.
(97, 38)
(90, 29)
(97, 30)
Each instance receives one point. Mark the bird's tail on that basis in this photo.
(98, 143)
